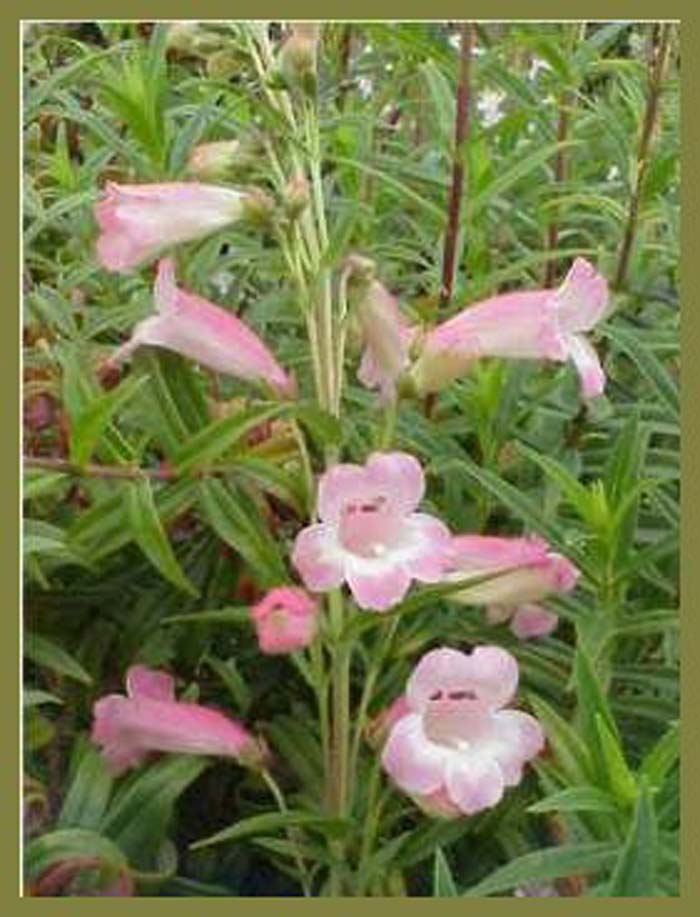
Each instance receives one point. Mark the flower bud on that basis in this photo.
(296, 196)
(188, 37)
(297, 57)
(258, 207)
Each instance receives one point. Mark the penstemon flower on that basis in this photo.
(204, 332)
(149, 719)
(286, 619)
(138, 222)
(370, 535)
(530, 571)
(456, 749)
(387, 338)
(539, 324)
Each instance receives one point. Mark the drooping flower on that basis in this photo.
(370, 535)
(528, 621)
(539, 324)
(149, 719)
(204, 332)
(286, 619)
(387, 338)
(457, 749)
(138, 222)
(530, 571)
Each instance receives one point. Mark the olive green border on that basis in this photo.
(10, 903)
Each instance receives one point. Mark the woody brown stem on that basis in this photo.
(560, 175)
(657, 65)
(458, 169)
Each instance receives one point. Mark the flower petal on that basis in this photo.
(474, 782)
(531, 621)
(439, 670)
(341, 484)
(416, 764)
(431, 540)
(399, 477)
(318, 558)
(144, 682)
(582, 298)
(587, 365)
(377, 585)
(496, 672)
(512, 739)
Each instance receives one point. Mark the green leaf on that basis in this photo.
(662, 757)
(150, 536)
(592, 702)
(71, 844)
(89, 424)
(443, 883)
(266, 824)
(649, 366)
(138, 818)
(575, 799)
(570, 752)
(620, 778)
(550, 863)
(221, 435)
(88, 795)
(45, 653)
(233, 680)
(32, 697)
(635, 872)
(239, 615)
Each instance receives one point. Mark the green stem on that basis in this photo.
(369, 831)
(292, 835)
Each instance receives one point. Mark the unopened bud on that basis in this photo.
(190, 38)
(222, 65)
(215, 161)
(360, 270)
(296, 196)
(297, 57)
(258, 207)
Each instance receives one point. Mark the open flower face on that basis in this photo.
(285, 620)
(202, 331)
(529, 570)
(538, 324)
(456, 750)
(149, 719)
(138, 222)
(370, 535)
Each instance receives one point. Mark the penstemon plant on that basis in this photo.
(358, 588)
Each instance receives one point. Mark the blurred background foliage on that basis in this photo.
(161, 501)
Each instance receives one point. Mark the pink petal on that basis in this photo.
(387, 339)
(582, 298)
(340, 485)
(285, 620)
(377, 586)
(443, 670)
(474, 783)
(432, 540)
(415, 764)
(474, 554)
(496, 672)
(514, 738)
(317, 558)
(531, 621)
(144, 682)
(587, 365)
(398, 476)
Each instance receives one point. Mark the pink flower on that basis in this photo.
(150, 719)
(202, 331)
(456, 750)
(285, 620)
(387, 337)
(369, 534)
(140, 221)
(532, 621)
(530, 571)
(540, 324)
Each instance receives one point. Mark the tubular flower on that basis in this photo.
(539, 324)
(149, 719)
(370, 535)
(138, 222)
(204, 332)
(529, 571)
(456, 750)
(285, 620)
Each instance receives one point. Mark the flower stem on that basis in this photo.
(292, 835)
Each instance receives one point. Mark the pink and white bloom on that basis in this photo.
(527, 622)
(370, 535)
(149, 719)
(538, 324)
(286, 619)
(457, 749)
(202, 331)
(138, 222)
(387, 337)
(528, 570)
